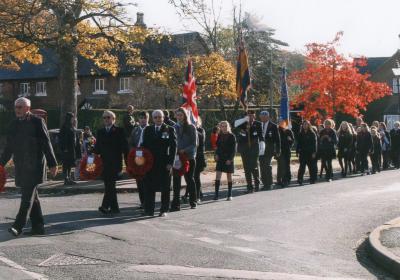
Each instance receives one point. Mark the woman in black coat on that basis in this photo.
(364, 147)
(327, 147)
(345, 147)
(224, 156)
(385, 141)
(307, 152)
(69, 142)
(395, 145)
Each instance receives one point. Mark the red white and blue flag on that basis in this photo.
(189, 93)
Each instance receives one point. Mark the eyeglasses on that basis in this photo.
(157, 117)
(106, 117)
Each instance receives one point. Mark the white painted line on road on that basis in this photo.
(209, 240)
(16, 266)
(224, 273)
(244, 249)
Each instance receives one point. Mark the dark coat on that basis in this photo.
(128, 122)
(226, 147)
(111, 146)
(29, 144)
(364, 143)
(287, 140)
(248, 138)
(272, 139)
(377, 146)
(163, 146)
(327, 143)
(200, 157)
(69, 145)
(307, 143)
(395, 139)
(345, 144)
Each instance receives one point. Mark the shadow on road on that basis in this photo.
(364, 259)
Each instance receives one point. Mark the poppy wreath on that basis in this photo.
(138, 166)
(185, 165)
(90, 173)
(3, 177)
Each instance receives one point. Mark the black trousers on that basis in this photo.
(311, 164)
(396, 157)
(386, 159)
(30, 204)
(150, 198)
(266, 170)
(141, 187)
(284, 174)
(110, 194)
(376, 165)
(197, 181)
(327, 162)
(250, 166)
(363, 161)
(190, 185)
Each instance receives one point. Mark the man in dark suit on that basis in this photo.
(249, 136)
(29, 144)
(272, 139)
(160, 140)
(111, 144)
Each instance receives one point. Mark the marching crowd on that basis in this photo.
(257, 141)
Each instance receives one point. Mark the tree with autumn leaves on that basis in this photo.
(98, 30)
(330, 83)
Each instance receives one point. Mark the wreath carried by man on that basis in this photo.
(91, 167)
(3, 178)
(140, 161)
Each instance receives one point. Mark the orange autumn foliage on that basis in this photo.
(331, 83)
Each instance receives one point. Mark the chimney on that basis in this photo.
(140, 20)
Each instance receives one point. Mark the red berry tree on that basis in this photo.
(331, 83)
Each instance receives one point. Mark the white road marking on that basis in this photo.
(209, 240)
(247, 237)
(244, 249)
(225, 273)
(16, 266)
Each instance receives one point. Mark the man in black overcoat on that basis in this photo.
(111, 145)
(160, 140)
(249, 136)
(29, 144)
(272, 148)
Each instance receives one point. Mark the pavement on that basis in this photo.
(312, 232)
(127, 185)
(385, 246)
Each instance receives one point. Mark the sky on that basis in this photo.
(371, 27)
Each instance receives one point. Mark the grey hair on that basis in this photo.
(23, 101)
(157, 112)
(108, 113)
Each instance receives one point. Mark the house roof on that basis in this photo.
(153, 54)
(373, 63)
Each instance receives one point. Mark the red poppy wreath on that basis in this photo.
(92, 170)
(140, 161)
(181, 166)
(3, 178)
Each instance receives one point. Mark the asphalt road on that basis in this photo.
(308, 232)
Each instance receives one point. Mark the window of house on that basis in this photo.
(99, 86)
(124, 85)
(41, 89)
(24, 89)
(396, 85)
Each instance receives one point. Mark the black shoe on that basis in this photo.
(257, 188)
(14, 231)
(148, 214)
(37, 230)
(300, 182)
(104, 210)
(115, 211)
(71, 182)
(175, 209)
(193, 206)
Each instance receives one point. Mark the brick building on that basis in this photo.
(97, 88)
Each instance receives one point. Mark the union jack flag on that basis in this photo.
(243, 82)
(189, 93)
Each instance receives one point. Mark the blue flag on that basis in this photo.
(284, 110)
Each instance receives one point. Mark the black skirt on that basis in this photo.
(223, 167)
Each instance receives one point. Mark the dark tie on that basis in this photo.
(157, 129)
